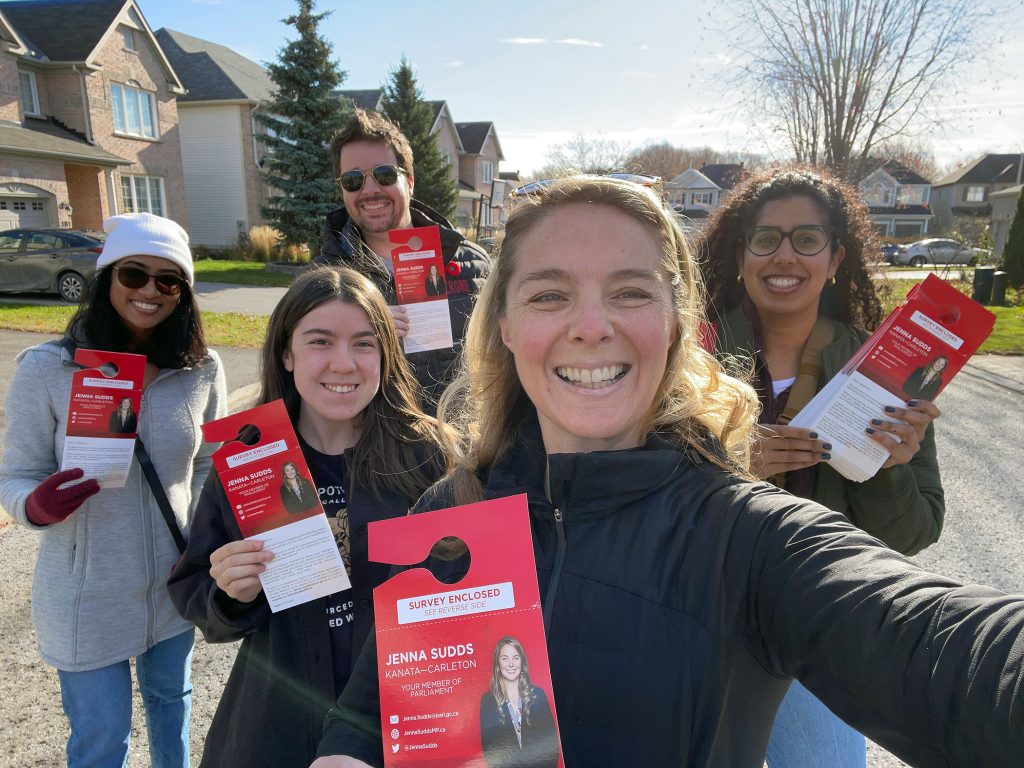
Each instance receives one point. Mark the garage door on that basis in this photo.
(23, 212)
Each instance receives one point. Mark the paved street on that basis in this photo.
(979, 439)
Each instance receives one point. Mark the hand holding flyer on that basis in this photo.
(103, 415)
(463, 667)
(913, 354)
(420, 287)
(271, 494)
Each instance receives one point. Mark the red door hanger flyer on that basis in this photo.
(103, 415)
(912, 355)
(275, 501)
(464, 675)
(421, 287)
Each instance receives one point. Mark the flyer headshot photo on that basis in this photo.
(123, 420)
(434, 283)
(516, 726)
(790, 301)
(926, 381)
(99, 597)
(680, 595)
(332, 354)
(297, 493)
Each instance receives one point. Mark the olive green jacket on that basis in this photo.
(903, 505)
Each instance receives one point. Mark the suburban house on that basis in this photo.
(479, 204)
(443, 128)
(696, 193)
(1004, 208)
(966, 192)
(88, 115)
(898, 200)
(220, 153)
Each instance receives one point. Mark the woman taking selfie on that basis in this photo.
(679, 596)
(98, 595)
(788, 286)
(332, 354)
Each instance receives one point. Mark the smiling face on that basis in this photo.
(589, 320)
(143, 309)
(375, 209)
(509, 663)
(786, 284)
(126, 404)
(334, 357)
(289, 471)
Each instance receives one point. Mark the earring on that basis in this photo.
(739, 278)
(831, 280)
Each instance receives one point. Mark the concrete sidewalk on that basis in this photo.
(1002, 370)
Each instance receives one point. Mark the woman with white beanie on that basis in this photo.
(99, 596)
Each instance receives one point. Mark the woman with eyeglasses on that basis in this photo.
(99, 597)
(791, 300)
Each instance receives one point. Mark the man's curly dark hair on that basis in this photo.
(853, 298)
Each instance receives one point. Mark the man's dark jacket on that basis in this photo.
(465, 267)
(682, 599)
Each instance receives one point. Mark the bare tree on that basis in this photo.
(668, 161)
(584, 155)
(911, 154)
(840, 76)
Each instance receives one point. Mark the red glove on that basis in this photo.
(49, 504)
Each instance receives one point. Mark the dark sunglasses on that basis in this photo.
(384, 175)
(807, 240)
(135, 278)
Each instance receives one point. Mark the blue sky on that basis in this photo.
(544, 71)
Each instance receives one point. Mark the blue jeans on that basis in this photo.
(807, 735)
(98, 704)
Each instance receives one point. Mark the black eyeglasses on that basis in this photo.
(135, 278)
(384, 175)
(807, 240)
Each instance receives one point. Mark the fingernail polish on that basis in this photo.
(877, 422)
(827, 446)
(912, 403)
(870, 431)
(814, 435)
(826, 456)
(890, 409)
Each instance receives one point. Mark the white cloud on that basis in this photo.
(524, 40)
(642, 47)
(640, 74)
(451, 62)
(578, 41)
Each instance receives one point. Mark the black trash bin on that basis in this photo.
(983, 277)
(999, 289)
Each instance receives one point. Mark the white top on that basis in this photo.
(778, 387)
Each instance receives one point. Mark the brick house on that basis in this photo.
(88, 119)
(898, 200)
(220, 153)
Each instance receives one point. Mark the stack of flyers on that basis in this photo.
(912, 355)
(103, 415)
(421, 287)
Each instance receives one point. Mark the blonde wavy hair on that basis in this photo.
(695, 399)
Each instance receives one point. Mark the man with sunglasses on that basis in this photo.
(374, 166)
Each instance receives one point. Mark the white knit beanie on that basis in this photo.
(143, 234)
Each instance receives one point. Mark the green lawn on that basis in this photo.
(223, 329)
(240, 273)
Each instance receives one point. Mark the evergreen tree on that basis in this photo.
(403, 103)
(300, 118)
(1013, 251)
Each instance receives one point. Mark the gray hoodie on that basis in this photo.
(99, 594)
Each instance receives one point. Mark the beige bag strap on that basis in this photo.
(809, 373)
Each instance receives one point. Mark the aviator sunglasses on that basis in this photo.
(384, 175)
(135, 278)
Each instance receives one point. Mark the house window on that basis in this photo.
(29, 93)
(128, 35)
(701, 198)
(487, 171)
(913, 195)
(134, 111)
(142, 194)
(974, 195)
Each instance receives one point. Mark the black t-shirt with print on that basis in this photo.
(330, 474)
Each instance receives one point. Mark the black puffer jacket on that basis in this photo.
(466, 266)
(682, 599)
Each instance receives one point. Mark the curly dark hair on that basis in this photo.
(852, 299)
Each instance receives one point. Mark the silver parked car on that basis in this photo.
(940, 250)
(48, 260)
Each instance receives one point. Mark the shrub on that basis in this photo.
(1013, 251)
(263, 243)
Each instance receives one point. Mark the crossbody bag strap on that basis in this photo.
(158, 492)
(809, 374)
